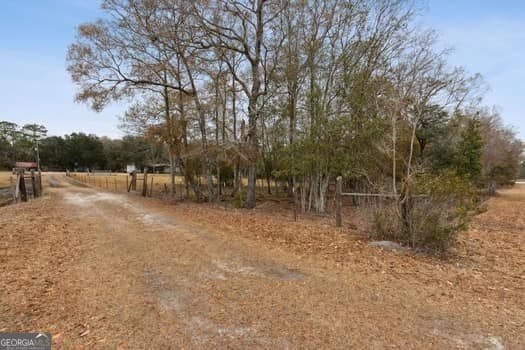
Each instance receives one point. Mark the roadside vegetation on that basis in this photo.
(294, 92)
(4, 179)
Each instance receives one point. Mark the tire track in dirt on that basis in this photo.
(147, 276)
(224, 292)
(208, 259)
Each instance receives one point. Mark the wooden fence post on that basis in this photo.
(17, 188)
(23, 191)
(134, 181)
(127, 183)
(33, 184)
(12, 187)
(145, 183)
(39, 182)
(151, 187)
(338, 201)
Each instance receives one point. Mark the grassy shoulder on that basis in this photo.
(4, 179)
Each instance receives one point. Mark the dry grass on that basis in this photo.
(161, 182)
(118, 181)
(4, 178)
(109, 270)
(515, 193)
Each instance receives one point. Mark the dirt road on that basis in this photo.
(109, 270)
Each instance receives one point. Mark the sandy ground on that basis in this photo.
(106, 270)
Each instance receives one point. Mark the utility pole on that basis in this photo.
(35, 132)
(37, 151)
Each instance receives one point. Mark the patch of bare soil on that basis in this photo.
(106, 270)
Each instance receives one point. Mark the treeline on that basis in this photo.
(19, 143)
(74, 151)
(83, 152)
(303, 91)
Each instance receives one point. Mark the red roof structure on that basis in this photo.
(26, 165)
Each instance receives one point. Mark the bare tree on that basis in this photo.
(243, 27)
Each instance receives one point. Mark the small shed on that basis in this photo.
(131, 168)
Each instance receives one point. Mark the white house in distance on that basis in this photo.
(130, 168)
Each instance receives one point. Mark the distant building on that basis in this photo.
(130, 168)
(159, 168)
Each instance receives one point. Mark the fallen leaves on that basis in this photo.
(482, 285)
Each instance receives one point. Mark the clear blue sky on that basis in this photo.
(487, 36)
(34, 84)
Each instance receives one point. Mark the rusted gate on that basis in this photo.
(142, 177)
(27, 185)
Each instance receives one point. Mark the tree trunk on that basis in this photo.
(172, 173)
(237, 161)
(292, 110)
(217, 145)
(309, 192)
(187, 175)
(252, 154)
(253, 108)
(238, 171)
(491, 190)
(202, 127)
(303, 195)
(171, 132)
(219, 186)
(250, 189)
(406, 214)
(322, 194)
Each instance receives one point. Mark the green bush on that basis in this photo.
(239, 198)
(434, 226)
(440, 208)
(387, 224)
(226, 172)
